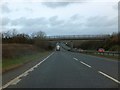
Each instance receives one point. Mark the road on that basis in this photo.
(65, 69)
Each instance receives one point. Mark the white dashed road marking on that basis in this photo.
(115, 80)
(85, 64)
(82, 63)
(17, 79)
(75, 59)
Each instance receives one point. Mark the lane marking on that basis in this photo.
(30, 69)
(17, 79)
(115, 80)
(75, 59)
(35, 66)
(85, 64)
(15, 82)
(25, 74)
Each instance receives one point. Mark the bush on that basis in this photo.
(17, 50)
(115, 48)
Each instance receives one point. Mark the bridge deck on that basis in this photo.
(78, 37)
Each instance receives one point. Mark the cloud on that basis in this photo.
(28, 9)
(75, 17)
(5, 21)
(53, 18)
(63, 18)
(116, 7)
(5, 8)
(56, 4)
(35, 24)
(62, 3)
(29, 22)
(101, 21)
(76, 25)
(54, 21)
(93, 25)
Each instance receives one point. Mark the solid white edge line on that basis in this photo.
(15, 82)
(25, 74)
(85, 64)
(115, 80)
(17, 78)
(75, 59)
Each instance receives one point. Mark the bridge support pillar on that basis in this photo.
(71, 45)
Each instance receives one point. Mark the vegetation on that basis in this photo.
(113, 43)
(38, 39)
(110, 44)
(10, 51)
(91, 45)
(11, 63)
(20, 48)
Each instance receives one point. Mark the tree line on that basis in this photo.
(37, 38)
(110, 44)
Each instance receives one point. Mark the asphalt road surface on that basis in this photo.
(65, 69)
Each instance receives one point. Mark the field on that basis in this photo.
(17, 50)
(15, 55)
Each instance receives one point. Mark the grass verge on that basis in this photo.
(9, 64)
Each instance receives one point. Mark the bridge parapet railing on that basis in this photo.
(77, 36)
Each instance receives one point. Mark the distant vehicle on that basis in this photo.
(80, 50)
(101, 50)
(75, 48)
(57, 48)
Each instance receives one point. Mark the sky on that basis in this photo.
(58, 17)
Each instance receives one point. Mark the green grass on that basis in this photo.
(8, 64)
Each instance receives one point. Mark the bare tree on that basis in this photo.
(6, 34)
(14, 32)
(40, 35)
(40, 39)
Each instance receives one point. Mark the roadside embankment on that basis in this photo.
(16, 55)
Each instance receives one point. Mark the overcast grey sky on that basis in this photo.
(60, 18)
